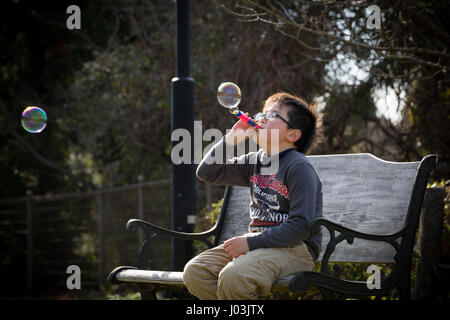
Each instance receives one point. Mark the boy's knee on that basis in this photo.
(189, 272)
(242, 282)
(231, 284)
(228, 274)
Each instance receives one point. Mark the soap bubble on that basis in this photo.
(229, 95)
(34, 119)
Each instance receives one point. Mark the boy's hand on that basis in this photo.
(236, 246)
(240, 132)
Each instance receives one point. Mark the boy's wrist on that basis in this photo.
(236, 136)
(255, 242)
(231, 138)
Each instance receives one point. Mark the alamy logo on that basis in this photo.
(74, 280)
(374, 280)
(374, 20)
(189, 150)
(74, 20)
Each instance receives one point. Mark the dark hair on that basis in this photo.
(302, 116)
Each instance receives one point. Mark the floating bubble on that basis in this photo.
(229, 95)
(34, 119)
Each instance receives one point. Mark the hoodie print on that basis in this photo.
(270, 205)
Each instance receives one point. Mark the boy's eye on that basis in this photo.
(258, 116)
(268, 116)
(271, 115)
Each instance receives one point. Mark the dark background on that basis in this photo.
(106, 91)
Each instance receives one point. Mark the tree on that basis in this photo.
(407, 53)
(344, 27)
(119, 101)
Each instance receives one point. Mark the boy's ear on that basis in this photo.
(294, 135)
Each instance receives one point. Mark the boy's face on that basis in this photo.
(274, 135)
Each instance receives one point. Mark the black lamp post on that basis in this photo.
(183, 175)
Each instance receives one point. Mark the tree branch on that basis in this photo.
(283, 20)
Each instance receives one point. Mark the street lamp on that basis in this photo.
(183, 175)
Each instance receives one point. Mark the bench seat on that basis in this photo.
(171, 278)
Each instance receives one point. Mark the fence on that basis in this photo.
(41, 235)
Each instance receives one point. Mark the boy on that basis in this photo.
(283, 208)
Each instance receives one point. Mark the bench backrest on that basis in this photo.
(360, 191)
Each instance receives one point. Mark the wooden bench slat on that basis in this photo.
(174, 278)
(365, 193)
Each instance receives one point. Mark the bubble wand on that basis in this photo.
(229, 96)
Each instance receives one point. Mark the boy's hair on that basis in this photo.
(302, 116)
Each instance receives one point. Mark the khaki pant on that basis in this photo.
(214, 274)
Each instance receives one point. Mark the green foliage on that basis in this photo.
(445, 255)
(205, 220)
(124, 296)
(445, 220)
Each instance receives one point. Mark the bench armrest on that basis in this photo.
(149, 228)
(151, 231)
(350, 234)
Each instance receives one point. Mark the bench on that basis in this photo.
(371, 211)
